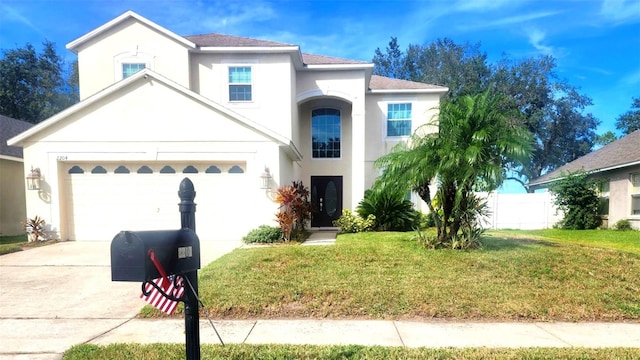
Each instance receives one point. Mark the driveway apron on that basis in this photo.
(57, 296)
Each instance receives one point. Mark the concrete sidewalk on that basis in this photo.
(382, 332)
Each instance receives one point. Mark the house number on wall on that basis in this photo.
(61, 157)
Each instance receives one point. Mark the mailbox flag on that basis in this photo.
(159, 301)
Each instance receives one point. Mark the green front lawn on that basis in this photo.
(609, 239)
(244, 351)
(9, 244)
(387, 276)
(515, 276)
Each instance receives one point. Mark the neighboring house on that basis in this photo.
(12, 178)
(618, 164)
(227, 112)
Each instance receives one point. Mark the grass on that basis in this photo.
(609, 239)
(10, 244)
(387, 276)
(515, 276)
(244, 351)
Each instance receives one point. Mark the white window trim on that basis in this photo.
(633, 193)
(311, 134)
(134, 56)
(228, 63)
(385, 130)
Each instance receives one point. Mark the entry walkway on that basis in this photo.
(321, 237)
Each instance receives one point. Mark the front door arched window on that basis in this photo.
(325, 133)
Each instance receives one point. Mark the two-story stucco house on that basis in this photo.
(228, 113)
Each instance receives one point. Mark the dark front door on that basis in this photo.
(326, 198)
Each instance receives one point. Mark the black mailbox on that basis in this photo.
(177, 251)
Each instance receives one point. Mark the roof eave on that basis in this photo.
(75, 44)
(11, 158)
(409, 91)
(363, 66)
(590, 172)
(248, 49)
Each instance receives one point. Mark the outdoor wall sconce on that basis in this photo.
(33, 179)
(265, 179)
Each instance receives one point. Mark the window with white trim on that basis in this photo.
(240, 83)
(130, 62)
(325, 133)
(603, 207)
(399, 119)
(129, 69)
(635, 194)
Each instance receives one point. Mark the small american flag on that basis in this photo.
(159, 301)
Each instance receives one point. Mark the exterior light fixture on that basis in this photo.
(33, 179)
(265, 179)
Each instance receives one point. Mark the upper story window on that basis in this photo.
(130, 62)
(399, 119)
(635, 194)
(130, 69)
(325, 133)
(240, 83)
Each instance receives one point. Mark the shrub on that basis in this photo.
(391, 210)
(577, 197)
(35, 228)
(294, 211)
(623, 225)
(427, 221)
(353, 223)
(264, 234)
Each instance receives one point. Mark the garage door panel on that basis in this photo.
(99, 205)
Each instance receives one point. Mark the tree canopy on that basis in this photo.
(630, 121)
(550, 108)
(35, 86)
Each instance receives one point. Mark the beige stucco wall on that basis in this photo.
(98, 59)
(620, 195)
(12, 196)
(271, 74)
(150, 122)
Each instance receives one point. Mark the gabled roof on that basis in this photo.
(75, 44)
(385, 84)
(222, 40)
(10, 127)
(312, 59)
(148, 75)
(618, 154)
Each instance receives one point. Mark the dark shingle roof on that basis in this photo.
(622, 152)
(221, 40)
(384, 83)
(10, 127)
(312, 59)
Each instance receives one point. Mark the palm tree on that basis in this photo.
(475, 142)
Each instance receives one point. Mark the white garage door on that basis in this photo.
(103, 199)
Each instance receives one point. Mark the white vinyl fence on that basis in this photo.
(521, 211)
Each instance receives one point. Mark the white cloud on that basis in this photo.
(632, 79)
(480, 5)
(519, 19)
(13, 14)
(621, 11)
(536, 38)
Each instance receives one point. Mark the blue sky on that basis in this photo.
(596, 42)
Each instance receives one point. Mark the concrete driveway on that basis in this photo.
(57, 296)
